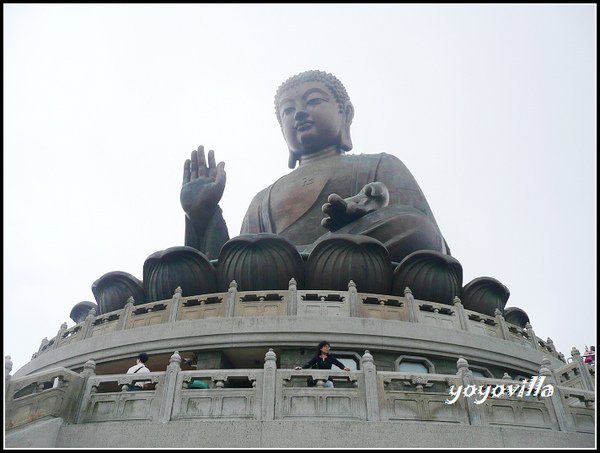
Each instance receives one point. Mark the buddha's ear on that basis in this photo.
(345, 140)
(292, 160)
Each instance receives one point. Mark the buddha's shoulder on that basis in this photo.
(374, 158)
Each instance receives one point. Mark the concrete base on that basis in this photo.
(288, 433)
(35, 435)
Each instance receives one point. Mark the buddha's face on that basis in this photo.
(310, 118)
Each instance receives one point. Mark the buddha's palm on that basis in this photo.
(203, 186)
(342, 211)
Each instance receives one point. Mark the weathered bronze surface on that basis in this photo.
(371, 195)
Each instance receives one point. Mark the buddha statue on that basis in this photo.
(327, 192)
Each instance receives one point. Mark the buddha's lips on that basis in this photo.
(304, 125)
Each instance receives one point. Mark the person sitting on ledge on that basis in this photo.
(373, 195)
(590, 355)
(323, 361)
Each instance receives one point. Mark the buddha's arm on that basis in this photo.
(208, 238)
(202, 189)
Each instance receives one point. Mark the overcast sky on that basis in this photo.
(492, 108)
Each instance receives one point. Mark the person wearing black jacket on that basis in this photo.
(323, 361)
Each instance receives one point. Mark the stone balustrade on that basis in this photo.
(280, 394)
(294, 302)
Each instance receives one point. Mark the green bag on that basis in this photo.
(197, 385)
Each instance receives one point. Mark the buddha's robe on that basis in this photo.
(292, 206)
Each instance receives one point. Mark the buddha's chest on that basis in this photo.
(295, 194)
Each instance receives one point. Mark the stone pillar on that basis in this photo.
(467, 379)
(7, 369)
(502, 323)
(88, 324)
(460, 311)
(564, 420)
(532, 337)
(588, 382)
(89, 370)
(293, 297)
(412, 307)
(268, 387)
(175, 304)
(367, 365)
(126, 313)
(59, 335)
(42, 344)
(353, 299)
(231, 298)
(170, 383)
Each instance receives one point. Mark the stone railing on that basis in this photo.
(296, 302)
(272, 394)
(48, 394)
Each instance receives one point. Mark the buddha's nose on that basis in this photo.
(300, 115)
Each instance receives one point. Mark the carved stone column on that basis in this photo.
(353, 299)
(412, 307)
(587, 380)
(88, 324)
(7, 369)
(59, 335)
(293, 297)
(558, 402)
(231, 298)
(268, 387)
(460, 311)
(371, 396)
(502, 323)
(532, 337)
(126, 313)
(168, 391)
(175, 304)
(467, 379)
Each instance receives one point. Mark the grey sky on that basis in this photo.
(492, 108)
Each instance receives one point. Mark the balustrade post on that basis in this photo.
(268, 387)
(126, 314)
(467, 379)
(88, 324)
(558, 402)
(59, 335)
(532, 338)
(8, 364)
(353, 299)
(588, 382)
(502, 323)
(89, 370)
(412, 306)
(367, 365)
(231, 297)
(175, 304)
(170, 383)
(293, 297)
(460, 311)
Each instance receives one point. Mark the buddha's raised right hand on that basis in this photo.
(202, 187)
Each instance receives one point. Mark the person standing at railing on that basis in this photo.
(590, 355)
(139, 368)
(323, 361)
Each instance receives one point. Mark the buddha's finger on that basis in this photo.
(212, 166)
(220, 176)
(202, 170)
(186, 171)
(194, 167)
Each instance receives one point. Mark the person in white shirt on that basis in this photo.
(139, 368)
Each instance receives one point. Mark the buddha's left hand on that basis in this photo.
(342, 211)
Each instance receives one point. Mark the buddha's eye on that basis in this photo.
(315, 101)
(288, 111)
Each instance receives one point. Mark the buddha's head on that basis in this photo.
(315, 113)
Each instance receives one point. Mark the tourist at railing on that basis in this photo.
(590, 355)
(140, 368)
(323, 361)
